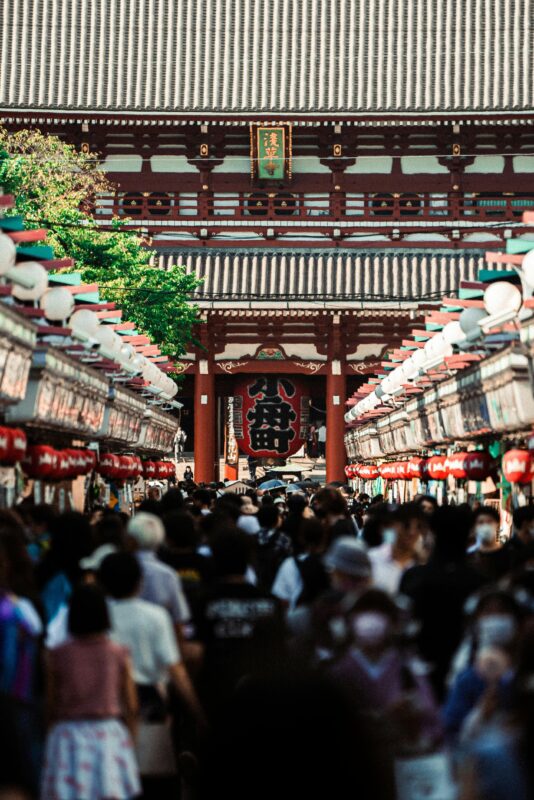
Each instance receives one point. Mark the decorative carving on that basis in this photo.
(182, 366)
(230, 366)
(270, 354)
(312, 366)
(365, 367)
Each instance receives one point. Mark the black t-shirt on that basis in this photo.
(243, 634)
(492, 565)
(196, 573)
(438, 591)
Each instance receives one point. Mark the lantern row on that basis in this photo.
(476, 465)
(41, 461)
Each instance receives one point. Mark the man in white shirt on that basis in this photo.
(402, 548)
(321, 439)
(145, 629)
(160, 583)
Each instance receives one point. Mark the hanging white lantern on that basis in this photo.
(116, 344)
(57, 304)
(127, 352)
(419, 358)
(469, 319)
(104, 336)
(438, 346)
(409, 369)
(30, 280)
(137, 362)
(8, 254)
(85, 322)
(502, 296)
(388, 384)
(453, 333)
(528, 268)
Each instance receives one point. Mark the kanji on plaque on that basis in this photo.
(271, 147)
(272, 416)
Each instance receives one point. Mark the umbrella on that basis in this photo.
(293, 487)
(308, 484)
(273, 484)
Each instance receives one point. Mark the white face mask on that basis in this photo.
(496, 629)
(486, 533)
(389, 536)
(370, 628)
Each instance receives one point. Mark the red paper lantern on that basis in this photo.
(425, 471)
(385, 471)
(517, 466)
(5, 445)
(415, 467)
(90, 459)
(270, 415)
(149, 469)
(63, 467)
(368, 472)
(40, 461)
(477, 465)
(348, 471)
(437, 468)
(403, 471)
(108, 465)
(17, 445)
(455, 465)
(78, 462)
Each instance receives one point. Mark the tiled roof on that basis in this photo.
(251, 57)
(327, 275)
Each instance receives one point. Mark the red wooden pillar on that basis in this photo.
(336, 390)
(205, 423)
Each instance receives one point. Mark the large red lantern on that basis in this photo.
(477, 465)
(368, 472)
(40, 461)
(415, 467)
(437, 469)
(455, 465)
(271, 415)
(517, 466)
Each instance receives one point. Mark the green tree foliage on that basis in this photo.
(54, 186)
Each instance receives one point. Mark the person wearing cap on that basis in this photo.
(160, 585)
(321, 629)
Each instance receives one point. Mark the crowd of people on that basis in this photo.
(302, 644)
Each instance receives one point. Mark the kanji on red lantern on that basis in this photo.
(271, 415)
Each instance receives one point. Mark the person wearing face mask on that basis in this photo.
(385, 682)
(496, 623)
(402, 548)
(487, 555)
